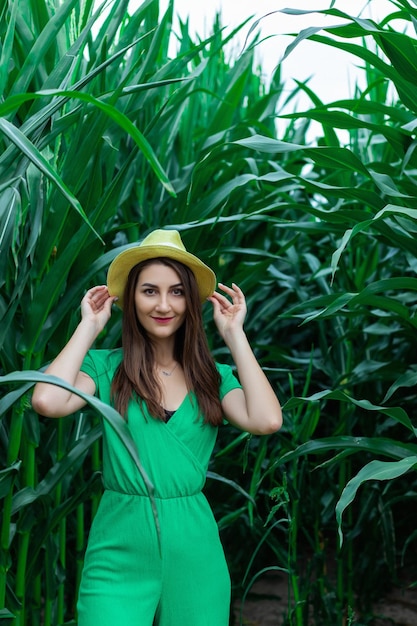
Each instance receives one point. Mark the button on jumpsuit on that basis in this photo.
(127, 579)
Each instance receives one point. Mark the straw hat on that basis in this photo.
(159, 243)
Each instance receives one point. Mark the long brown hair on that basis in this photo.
(135, 377)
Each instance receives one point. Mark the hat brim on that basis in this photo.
(119, 269)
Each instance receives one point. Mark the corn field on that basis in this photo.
(106, 134)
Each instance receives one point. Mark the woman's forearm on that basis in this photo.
(54, 401)
(263, 408)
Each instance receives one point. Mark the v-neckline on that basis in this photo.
(175, 411)
(169, 415)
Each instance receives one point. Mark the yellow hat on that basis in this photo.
(159, 243)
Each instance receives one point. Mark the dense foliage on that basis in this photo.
(105, 134)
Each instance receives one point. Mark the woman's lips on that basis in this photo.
(162, 320)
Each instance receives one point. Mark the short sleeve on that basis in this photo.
(228, 379)
(88, 366)
(101, 366)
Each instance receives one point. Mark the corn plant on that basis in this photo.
(105, 134)
(92, 131)
(345, 276)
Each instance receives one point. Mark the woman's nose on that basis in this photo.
(163, 303)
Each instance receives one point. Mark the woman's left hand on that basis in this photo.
(228, 315)
(241, 407)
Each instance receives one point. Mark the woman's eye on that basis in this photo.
(178, 292)
(149, 292)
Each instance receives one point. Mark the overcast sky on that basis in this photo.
(332, 72)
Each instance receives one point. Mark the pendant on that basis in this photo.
(165, 373)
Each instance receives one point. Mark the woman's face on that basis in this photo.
(160, 300)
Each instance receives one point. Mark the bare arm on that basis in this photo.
(53, 401)
(255, 408)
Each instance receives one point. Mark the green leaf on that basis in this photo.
(29, 150)
(396, 413)
(114, 419)
(26, 496)
(230, 483)
(7, 477)
(116, 115)
(375, 470)
(42, 42)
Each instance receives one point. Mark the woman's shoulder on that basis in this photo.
(228, 379)
(106, 353)
(223, 368)
(227, 373)
(105, 358)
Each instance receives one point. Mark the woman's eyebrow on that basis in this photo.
(156, 286)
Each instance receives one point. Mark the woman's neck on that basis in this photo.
(164, 353)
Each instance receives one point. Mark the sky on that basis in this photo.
(331, 73)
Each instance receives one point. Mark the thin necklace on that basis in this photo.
(165, 373)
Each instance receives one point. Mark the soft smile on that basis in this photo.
(162, 320)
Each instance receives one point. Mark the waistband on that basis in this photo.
(154, 496)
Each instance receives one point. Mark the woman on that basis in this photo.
(173, 396)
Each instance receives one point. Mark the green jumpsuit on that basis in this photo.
(127, 579)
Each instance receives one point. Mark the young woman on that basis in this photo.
(174, 396)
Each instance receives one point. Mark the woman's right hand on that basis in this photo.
(55, 401)
(96, 306)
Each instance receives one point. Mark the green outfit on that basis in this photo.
(126, 578)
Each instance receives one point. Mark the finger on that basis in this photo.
(238, 289)
(226, 288)
(97, 289)
(98, 298)
(234, 291)
(222, 300)
(95, 292)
